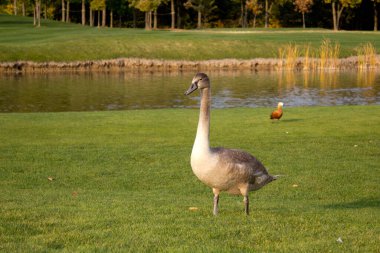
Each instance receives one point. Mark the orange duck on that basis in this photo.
(277, 114)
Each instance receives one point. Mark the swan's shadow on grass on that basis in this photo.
(363, 203)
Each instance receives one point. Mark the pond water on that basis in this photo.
(120, 91)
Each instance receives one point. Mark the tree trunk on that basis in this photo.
(98, 18)
(15, 7)
(334, 16)
(23, 8)
(38, 10)
(155, 20)
(254, 21)
(45, 12)
(34, 16)
(63, 11)
(134, 18)
(104, 17)
(266, 14)
(178, 15)
(111, 19)
(199, 20)
(374, 16)
(148, 20)
(241, 14)
(173, 14)
(68, 12)
(303, 20)
(245, 15)
(340, 10)
(91, 17)
(83, 13)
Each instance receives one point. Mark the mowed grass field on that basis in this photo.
(57, 41)
(121, 181)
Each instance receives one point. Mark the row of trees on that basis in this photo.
(185, 13)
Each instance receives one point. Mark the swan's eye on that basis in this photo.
(200, 79)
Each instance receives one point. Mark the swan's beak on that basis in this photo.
(192, 88)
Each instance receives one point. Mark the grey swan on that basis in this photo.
(230, 170)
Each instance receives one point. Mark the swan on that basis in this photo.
(230, 170)
(277, 114)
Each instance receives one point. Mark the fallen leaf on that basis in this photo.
(339, 240)
(193, 208)
(50, 178)
(295, 185)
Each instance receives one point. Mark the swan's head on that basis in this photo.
(280, 105)
(200, 81)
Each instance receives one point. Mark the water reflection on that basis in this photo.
(117, 91)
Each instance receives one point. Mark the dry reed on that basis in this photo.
(329, 55)
(366, 56)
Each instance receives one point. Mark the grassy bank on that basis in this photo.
(121, 181)
(56, 41)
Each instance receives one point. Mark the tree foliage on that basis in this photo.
(337, 7)
(346, 14)
(98, 4)
(303, 6)
(203, 7)
(256, 8)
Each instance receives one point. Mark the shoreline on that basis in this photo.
(138, 64)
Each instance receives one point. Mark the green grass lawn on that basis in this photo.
(57, 41)
(121, 181)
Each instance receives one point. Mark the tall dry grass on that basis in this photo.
(366, 56)
(327, 56)
(289, 56)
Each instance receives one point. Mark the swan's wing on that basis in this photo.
(240, 160)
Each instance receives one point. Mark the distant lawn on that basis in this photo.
(121, 181)
(57, 41)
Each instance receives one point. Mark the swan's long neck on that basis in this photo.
(202, 142)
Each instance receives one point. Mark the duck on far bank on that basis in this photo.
(277, 114)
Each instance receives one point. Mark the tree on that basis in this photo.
(303, 6)
(147, 6)
(172, 11)
(37, 13)
(99, 6)
(375, 14)
(68, 11)
(63, 10)
(23, 7)
(83, 12)
(268, 8)
(201, 6)
(337, 7)
(256, 9)
(15, 7)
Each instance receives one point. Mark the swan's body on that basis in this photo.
(277, 114)
(230, 170)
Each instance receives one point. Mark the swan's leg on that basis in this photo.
(244, 189)
(216, 200)
(246, 204)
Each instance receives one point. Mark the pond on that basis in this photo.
(56, 92)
